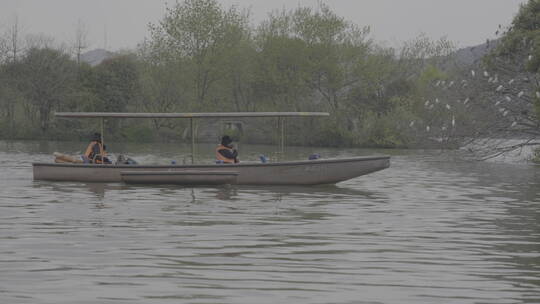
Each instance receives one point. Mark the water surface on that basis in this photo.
(430, 229)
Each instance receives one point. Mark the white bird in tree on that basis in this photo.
(514, 124)
(448, 107)
(500, 88)
(498, 103)
(508, 98)
(511, 81)
(530, 57)
(453, 121)
(411, 124)
(505, 113)
(466, 101)
(437, 100)
(486, 74)
(473, 73)
(537, 94)
(521, 94)
(428, 128)
(426, 103)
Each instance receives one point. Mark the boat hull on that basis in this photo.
(313, 172)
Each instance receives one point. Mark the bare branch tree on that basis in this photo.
(81, 40)
(36, 41)
(499, 102)
(14, 39)
(4, 49)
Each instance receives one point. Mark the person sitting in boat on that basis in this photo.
(226, 153)
(95, 153)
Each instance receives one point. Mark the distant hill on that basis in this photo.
(97, 56)
(474, 54)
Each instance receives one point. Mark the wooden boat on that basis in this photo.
(308, 172)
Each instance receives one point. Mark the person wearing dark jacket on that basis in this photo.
(226, 152)
(95, 153)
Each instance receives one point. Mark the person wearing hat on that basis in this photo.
(226, 152)
(95, 153)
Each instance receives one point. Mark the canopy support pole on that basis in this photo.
(192, 141)
(103, 131)
(282, 135)
(103, 139)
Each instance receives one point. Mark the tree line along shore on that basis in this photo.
(203, 57)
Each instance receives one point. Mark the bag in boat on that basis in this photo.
(124, 160)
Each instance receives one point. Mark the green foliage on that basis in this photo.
(45, 78)
(116, 84)
(200, 33)
(280, 74)
(138, 133)
(536, 156)
(430, 74)
(330, 133)
(517, 60)
(528, 18)
(536, 106)
(521, 42)
(389, 131)
(204, 57)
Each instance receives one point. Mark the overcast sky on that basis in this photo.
(123, 23)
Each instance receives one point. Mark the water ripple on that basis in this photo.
(431, 229)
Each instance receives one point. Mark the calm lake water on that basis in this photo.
(430, 229)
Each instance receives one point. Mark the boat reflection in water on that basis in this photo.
(223, 192)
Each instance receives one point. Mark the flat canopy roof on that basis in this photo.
(187, 115)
